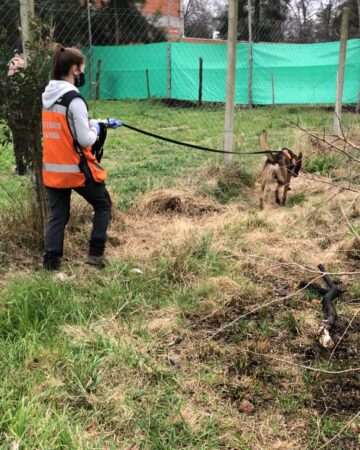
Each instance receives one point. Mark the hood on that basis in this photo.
(54, 90)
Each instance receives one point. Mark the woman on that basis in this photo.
(68, 158)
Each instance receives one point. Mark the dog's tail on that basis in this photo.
(263, 140)
(265, 146)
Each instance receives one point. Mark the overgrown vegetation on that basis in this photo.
(123, 358)
(322, 165)
(21, 112)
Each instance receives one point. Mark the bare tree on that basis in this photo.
(303, 18)
(199, 18)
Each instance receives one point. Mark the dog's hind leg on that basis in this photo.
(277, 196)
(280, 174)
(286, 188)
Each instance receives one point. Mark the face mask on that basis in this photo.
(79, 79)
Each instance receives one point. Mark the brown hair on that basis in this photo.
(64, 59)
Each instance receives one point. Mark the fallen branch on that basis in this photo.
(329, 295)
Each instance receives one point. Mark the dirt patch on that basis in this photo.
(171, 201)
(337, 395)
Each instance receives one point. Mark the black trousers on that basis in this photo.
(59, 200)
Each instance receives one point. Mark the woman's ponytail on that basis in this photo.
(64, 59)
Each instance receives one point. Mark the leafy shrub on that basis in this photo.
(323, 165)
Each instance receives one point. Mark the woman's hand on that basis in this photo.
(114, 123)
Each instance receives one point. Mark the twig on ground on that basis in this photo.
(350, 225)
(318, 423)
(302, 366)
(216, 311)
(290, 264)
(341, 431)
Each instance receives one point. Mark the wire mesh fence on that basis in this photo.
(139, 53)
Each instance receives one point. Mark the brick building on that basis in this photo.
(171, 13)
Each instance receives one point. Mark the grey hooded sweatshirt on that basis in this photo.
(80, 125)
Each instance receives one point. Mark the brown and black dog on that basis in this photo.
(281, 166)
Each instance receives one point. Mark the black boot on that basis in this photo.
(51, 262)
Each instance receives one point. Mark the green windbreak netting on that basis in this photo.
(304, 73)
(123, 71)
(282, 73)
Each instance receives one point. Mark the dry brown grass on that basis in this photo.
(172, 201)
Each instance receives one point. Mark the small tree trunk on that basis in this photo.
(40, 195)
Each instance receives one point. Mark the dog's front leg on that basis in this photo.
(286, 188)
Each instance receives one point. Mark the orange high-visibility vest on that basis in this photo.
(65, 163)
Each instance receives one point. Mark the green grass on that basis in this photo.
(84, 363)
(137, 163)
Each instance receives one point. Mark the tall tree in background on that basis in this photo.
(328, 25)
(273, 16)
(326, 17)
(354, 22)
(117, 22)
(269, 18)
(200, 17)
(122, 22)
(243, 32)
(302, 23)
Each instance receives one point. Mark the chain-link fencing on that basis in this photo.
(135, 54)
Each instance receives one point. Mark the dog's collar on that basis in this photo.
(291, 157)
(286, 153)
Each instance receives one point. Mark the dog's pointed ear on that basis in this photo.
(263, 140)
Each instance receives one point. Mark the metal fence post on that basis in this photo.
(231, 77)
(341, 72)
(90, 51)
